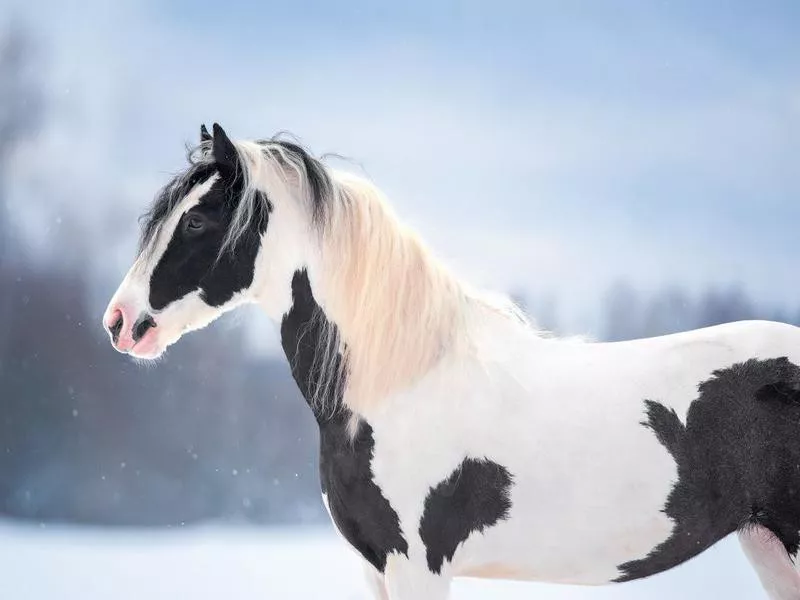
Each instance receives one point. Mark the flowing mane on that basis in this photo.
(395, 307)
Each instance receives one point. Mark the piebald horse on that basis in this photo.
(455, 438)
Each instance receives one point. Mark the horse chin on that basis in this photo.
(156, 341)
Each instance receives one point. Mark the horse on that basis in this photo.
(456, 438)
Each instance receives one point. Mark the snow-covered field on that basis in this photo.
(205, 563)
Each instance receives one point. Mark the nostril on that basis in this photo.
(142, 326)
(116, 326)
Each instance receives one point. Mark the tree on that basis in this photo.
(21, 109)
(669, 311)
(723, 306)
(622, 313)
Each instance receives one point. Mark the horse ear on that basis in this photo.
(204, 135)
(224, 152)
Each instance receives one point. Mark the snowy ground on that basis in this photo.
(210, 563)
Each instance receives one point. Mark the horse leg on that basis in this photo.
(409, 581)
(773, 564)
(375, 582)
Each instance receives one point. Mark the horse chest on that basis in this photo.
(357, 506)
(474, 496)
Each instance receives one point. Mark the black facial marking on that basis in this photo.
(475, 496)
(193, 259)
(358, 508)
(169, 197)
(738, 460)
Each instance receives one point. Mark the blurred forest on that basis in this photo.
(87, 435)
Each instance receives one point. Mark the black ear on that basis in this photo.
(204, 135)
(224, 153)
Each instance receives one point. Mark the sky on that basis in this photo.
(554, 147)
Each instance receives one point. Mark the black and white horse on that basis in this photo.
(456, 439)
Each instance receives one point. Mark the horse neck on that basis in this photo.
(396, 309)
(372, 310)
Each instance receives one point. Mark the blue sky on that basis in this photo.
(554, 146)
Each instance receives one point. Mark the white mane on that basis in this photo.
(396, 307)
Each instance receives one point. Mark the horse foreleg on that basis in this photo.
(375, 582)
(772, 562)
(410, 581)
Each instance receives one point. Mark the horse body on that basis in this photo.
(455, 439)
(567, 420)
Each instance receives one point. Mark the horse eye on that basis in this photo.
(194, 225)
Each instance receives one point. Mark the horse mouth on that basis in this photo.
(148, 346)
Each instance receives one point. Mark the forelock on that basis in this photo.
(201, 167)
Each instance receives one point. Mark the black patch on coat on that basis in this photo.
(358, 508)
(196, 261)
(738, 460)
(474, 497)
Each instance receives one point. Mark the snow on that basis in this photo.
(204, 563)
